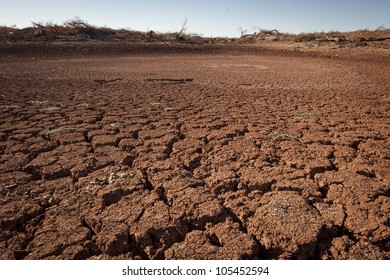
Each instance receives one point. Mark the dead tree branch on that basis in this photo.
(183, 26)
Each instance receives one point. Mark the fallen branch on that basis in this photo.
(101, 82)
(174, 81)
(375, 39)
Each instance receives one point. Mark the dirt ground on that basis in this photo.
(196, 155)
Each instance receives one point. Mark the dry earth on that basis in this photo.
(195, 156)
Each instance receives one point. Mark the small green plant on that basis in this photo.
(305, 116)
(308, 114)
(284, 136)
(386, 119)
(148, 100)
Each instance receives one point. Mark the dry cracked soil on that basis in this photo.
(195, 156)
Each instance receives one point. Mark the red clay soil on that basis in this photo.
(231, 155)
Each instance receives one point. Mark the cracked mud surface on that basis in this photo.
(194, 157)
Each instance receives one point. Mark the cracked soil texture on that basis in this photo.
(195, 156)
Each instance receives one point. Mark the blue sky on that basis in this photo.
(209, 18)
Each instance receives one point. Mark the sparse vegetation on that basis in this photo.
(77, 22)
(308, 114)
(148, 100)
(280, 136)
(76, 29)
(284, 136)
